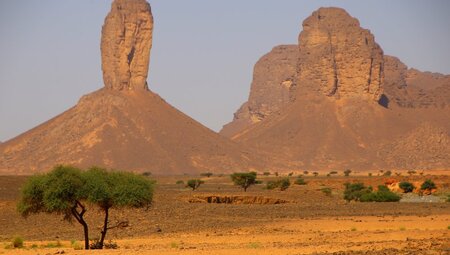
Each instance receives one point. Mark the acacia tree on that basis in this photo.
(66, 190)
(60, 192)
(194, 183)
(245, 180)
(115, 190)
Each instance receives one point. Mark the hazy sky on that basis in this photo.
(203, 50)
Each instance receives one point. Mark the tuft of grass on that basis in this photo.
(254, 245)
(402, 228)
(353, 229)
(75, 245)
(34, 246)
(17, 242)
(448, 227)
(174, 245)
(53, 245)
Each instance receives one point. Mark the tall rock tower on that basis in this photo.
(338, 57)
(125, 45)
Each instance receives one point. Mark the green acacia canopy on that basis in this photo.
(67, 190)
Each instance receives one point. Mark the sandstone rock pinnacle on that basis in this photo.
(338, 57)
(125, 45)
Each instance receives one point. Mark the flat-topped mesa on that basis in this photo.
(125, 45)
(339, 58)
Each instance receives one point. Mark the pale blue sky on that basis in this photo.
(203, 50)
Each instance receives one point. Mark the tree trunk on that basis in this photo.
(79, 217)
(105, 228)
(86, 234)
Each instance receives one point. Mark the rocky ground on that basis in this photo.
(309, 222)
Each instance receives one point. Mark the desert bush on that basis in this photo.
(276, 174)
(194, 183)
(354, 191)
(147, 174)
(245, 180)
(208, 174)
(387, 173)
(347, 172)
(266, 173)
(326, 191)
(305, 172)
(428, 185)
(315, 174)
(411, 172)
(180, 182)
(291, 174)
(271, 185)
(382, 195)
(406, 187)
(369, 174)
(17, 242)
(300, 181)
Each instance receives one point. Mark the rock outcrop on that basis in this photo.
(339, 58)
(349, 106)
(271, 90)
(125, 45)
(136, 130)
(410, 88)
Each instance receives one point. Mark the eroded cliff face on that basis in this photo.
(410, 88)
(125, 45)
(271, 90)
(335, 57)
(338, 58)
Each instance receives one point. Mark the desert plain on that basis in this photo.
(300, 220)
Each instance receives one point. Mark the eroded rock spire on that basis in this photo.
(125, 45)
(338, 57)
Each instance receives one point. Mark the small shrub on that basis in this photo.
(276, 174)
(387, 173)
(291, 174)
(34, 246)
(283, 184)
(305, 172)
(333, 172)
(147, 174)
(354, 191)
(300, 181)
(17, 242)
(208, 174)
(180, 182)
(406, 187)
(194, 183)
(347, 172)
(369, 174)
(411, 172)
(382, 195)
(315, 174)
(428, 185)
(326, 191)
(266, 173)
